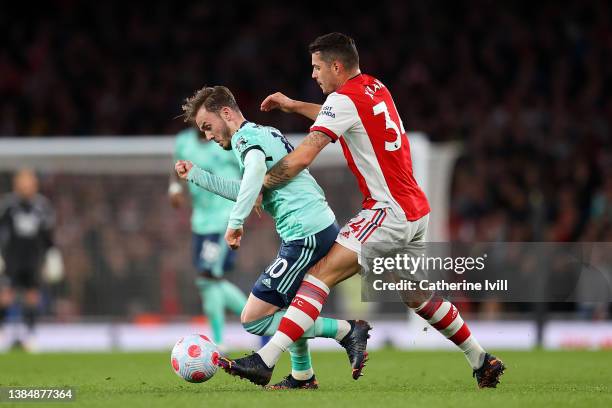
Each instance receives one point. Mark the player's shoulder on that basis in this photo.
(336, 100)
(336, 106)
(249, 133)
(363, 86)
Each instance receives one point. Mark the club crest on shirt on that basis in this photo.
(241, 143)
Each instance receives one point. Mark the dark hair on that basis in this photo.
(213, 98)
(336, 46)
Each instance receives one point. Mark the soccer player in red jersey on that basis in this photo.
(360, 113)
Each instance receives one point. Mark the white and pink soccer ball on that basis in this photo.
(194, 358)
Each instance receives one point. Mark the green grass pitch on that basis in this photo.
(393, 379)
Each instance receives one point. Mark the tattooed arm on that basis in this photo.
(290, 165)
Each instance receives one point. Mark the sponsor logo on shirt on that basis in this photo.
(327, 111)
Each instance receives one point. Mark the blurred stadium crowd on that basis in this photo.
(127, 252)
(525, 86)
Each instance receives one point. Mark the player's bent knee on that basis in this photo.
(247, 316)
(255, 309)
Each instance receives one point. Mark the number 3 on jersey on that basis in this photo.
(390, 124)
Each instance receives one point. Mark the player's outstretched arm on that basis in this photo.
(290, 166)
(280, 101)
(215, 184)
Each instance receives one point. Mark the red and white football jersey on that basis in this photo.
(363, 116)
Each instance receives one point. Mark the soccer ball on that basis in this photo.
(194, 358)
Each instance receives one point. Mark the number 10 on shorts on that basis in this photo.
(277, 268)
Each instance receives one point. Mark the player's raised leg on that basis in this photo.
(262, 318)
(303, 313)
(283, 284)
(265, 322)
(339, 264)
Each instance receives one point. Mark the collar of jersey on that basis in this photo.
(359, 76)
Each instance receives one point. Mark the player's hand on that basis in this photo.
(233, 237)
(257, 207)
(182, 168)
(277, 101)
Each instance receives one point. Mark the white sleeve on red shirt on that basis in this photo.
(338, 114)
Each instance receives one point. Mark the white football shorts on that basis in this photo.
(381, 225)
